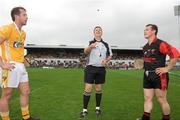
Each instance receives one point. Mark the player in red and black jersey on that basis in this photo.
(156, 72)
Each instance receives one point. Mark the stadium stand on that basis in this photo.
(71, 57)
(74, 57)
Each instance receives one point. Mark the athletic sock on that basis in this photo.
(98, 98)
(166, 117)
(146, 116)
(5, 115)
(25, 112)
(86, 98)
(97, 108)
(84, 110)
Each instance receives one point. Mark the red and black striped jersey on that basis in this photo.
(155, 54)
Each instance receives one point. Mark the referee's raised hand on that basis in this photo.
(93, 45)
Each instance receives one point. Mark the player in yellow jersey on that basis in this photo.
(13, 73)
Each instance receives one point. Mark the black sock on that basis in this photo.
(146, 116)
(98, 98)
(166, 117)
(86, 98)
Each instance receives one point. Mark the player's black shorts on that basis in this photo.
(153, 80)
(94, 74)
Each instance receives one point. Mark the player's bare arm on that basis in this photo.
(4, 65)
(166, 69)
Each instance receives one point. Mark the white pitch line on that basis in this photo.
(175, 84)
(33, 91)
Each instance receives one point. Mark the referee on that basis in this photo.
(99, 53)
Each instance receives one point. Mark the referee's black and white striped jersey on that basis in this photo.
(101, 52)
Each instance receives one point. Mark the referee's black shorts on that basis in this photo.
(94, 74)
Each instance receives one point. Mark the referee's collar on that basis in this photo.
(98, 41)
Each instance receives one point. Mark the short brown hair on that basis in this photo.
(16, 11)
(154, 27)
(97, 27)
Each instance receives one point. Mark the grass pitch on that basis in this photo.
(56, 94)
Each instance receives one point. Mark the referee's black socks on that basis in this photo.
(98, 98)
(86, 98)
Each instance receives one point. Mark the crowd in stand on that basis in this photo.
(69, 59)
(74, 60)
(55, 62)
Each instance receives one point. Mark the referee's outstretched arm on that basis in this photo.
(88, 49)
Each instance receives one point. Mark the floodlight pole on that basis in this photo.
(177, 13)
(179, 26)
(179, 20)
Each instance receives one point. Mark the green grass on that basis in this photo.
(56, 94)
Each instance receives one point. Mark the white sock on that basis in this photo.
(97, 108)
(84, 110)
